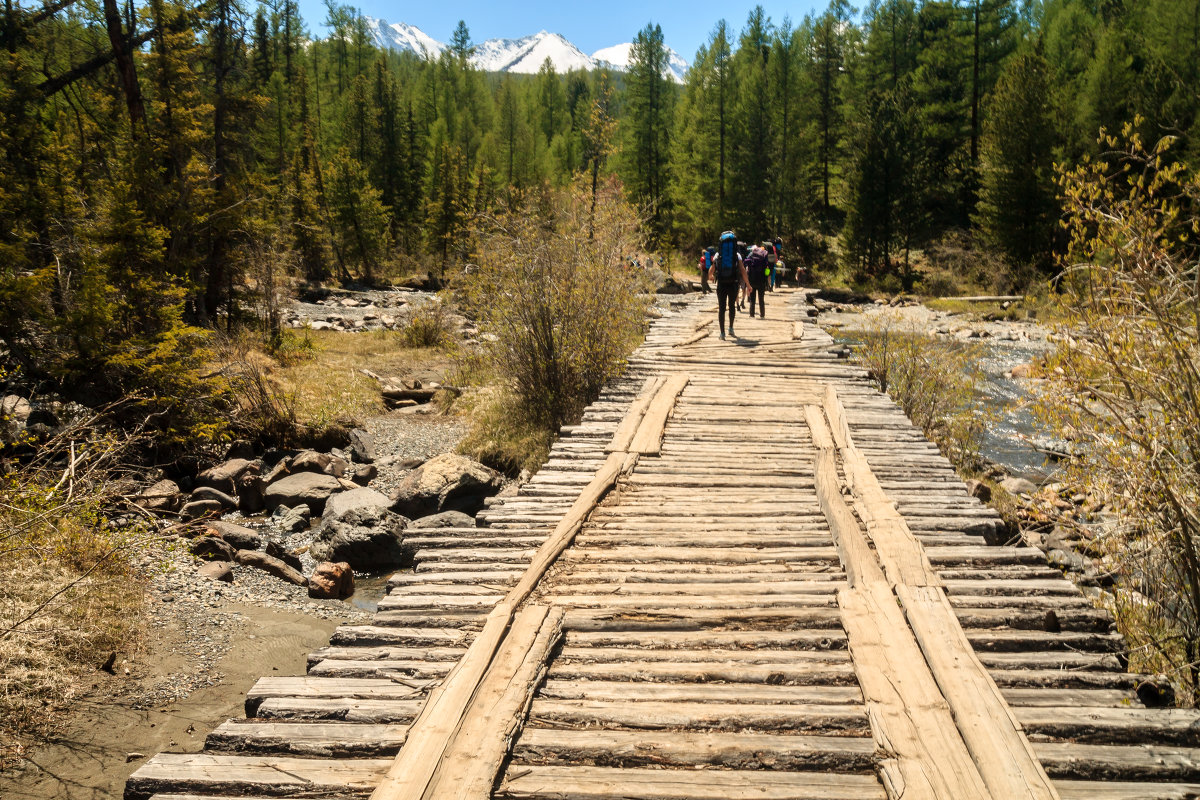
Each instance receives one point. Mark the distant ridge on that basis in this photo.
(524, 55)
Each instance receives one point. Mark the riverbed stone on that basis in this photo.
(448, 482)
(359, 528)
(277, 550)
(362, 446)
(163, 496)
(212, 548)
(201, 508)
(331, 581)
(446, 519)
(308, 488)
(1015, 485)
(223, 477)
(240, 537)
(209, 493)
(217, 571)
(271, 566)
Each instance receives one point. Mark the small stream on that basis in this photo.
(1007, 441)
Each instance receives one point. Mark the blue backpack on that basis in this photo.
(727, 269)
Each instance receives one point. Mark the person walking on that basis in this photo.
(729, 274)
(706, 257)
(759, 273)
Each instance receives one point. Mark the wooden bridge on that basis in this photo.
(743, 575)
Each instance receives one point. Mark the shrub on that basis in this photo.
(565, 308)
(1128, 386)
(429, 324)
(70, 593)
(936, 382)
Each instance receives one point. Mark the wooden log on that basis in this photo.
(648, 438)
(208, 773)
(302, 688)
(592, 783)
(321, 739)
(707, 715)
(750, 693)
(694, 748)
(633, 417)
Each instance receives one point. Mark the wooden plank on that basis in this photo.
(209, 773)
(705, 715)
(633, 417)
(1140, 790)
(648, 439)
(595, 783)
(991, 731)
(322, 739)
(759, 694)
(470, 765)
(694, 748)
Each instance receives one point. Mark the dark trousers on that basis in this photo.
(760, 293)
(726, 295)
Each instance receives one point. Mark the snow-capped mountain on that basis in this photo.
(401, 36)
(617, 57)
(524, 55)
(527, 54)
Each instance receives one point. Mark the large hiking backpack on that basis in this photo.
(757, 268)
(727, 268)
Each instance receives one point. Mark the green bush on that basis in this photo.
(936, 382)
(429, 325)
(564, 308)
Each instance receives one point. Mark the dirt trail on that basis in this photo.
(89, 760)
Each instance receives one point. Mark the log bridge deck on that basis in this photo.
(743, 575)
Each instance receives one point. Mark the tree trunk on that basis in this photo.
(124, 58)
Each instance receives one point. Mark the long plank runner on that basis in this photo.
(993, 736)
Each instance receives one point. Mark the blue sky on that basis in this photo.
(590, 25)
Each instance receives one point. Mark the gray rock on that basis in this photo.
(364, 474)
(360, 529)
(276, 550)
(250, 493)
(212, 548)
(310, 488)
(362, 446)
(223, 477)
(209, 493)
(217, 571)
(15, 408)
(271, 566)
(1018, 486)
(310, 461)
(979, 489)
(296, 519)
(281, 469)
(448, 482)
(446, 519)
(239, 537)
(162, 496)
(201, 508)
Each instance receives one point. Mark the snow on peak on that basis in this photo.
(402, 36)
(527, 54)
(618, 57)
(524, 55)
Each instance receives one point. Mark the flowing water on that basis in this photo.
(1008, 441)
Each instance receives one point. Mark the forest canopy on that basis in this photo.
(157, 154)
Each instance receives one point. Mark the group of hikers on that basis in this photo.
(733, 266)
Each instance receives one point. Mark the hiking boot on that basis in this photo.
(722, 336)
(730, 332)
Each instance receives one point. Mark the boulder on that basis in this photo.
(212, 548)
(446, 519)
(217, 571)
(162, 496)
(294, 520)
(240, 538)
(331, 581)
(223, 477)
(281, 469)
(1018, 486)
(310, 461)
(271, 566)
(276, 550)
(209, 493)
(310, 488)
(250, 493)
(362, 446)
(15, 408)
(448, 482)
(201, 508)
(359, 528)
(979, 489)
(364, 474)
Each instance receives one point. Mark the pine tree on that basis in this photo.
(1017, 206)
(360, 218)
(649, 104)
(752, 128)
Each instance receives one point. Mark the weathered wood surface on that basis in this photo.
(743, 574)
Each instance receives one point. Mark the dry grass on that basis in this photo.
(69, 595)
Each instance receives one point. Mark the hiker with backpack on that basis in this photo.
(729, 273)
(706, 257)
(758, 271)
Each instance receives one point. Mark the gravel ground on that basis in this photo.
(400, 438)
